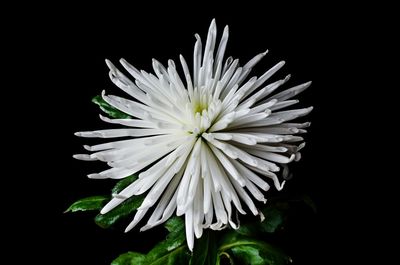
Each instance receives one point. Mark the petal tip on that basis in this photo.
(109, 64)
(87, 147)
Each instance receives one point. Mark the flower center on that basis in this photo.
(199, 107)
(202, 113)
(200, 117)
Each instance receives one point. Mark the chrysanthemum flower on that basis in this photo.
(201, 145)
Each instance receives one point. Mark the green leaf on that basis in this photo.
(248, 255)
(259, 253)
(171, 251)
(124, 209)
(174, 224)
(88, 204)
(274, 218)
(130, 258)
(121, 211)
(122, 184)
(247, 250)
(176, 256)
(110, 110)
(205, 250)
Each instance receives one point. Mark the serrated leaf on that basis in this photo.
(121, 211)
(130, 258)
(88, 204)
(122, 184)
(246, 250)
(110, 110)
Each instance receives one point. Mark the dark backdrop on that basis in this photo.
(71, 46)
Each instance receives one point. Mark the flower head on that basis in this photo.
(203, 145)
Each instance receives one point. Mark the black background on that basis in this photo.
(68, 46)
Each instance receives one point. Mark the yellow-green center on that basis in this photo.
(199, 107)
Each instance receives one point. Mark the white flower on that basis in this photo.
(201, 145)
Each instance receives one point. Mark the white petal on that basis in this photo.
(291, 92)
(198, 211)
(265, 77)
(248, 119)
(250, 64)
(284, 104)
(124, 83)
(139, 142)
(278, 185)
(113, 133)
(219, 208)
(291, 114)
(260, 123)
(196, 60)
(130, 122)
(161, 184)
(189, 227)
(267, 148)
(138, 216)
(207, 194)
(227, 165)
(245, 197)
(222, 46)
(167, 204)
(265, 106)
(186, 179)
(187, 75)
(220, 179)
(85, 157)
(276, 130)
(271, 156)
(252, 177)
(113, 173)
